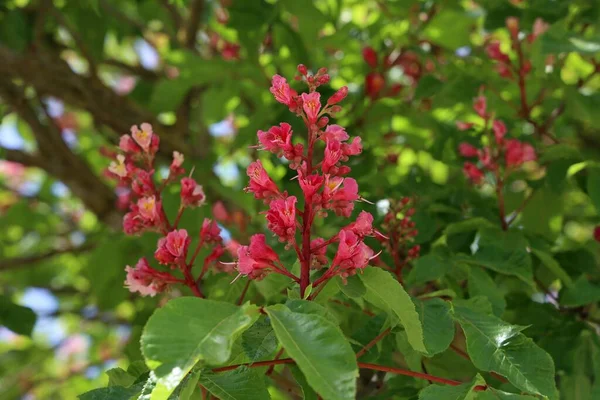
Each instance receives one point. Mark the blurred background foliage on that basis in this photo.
(75, 75)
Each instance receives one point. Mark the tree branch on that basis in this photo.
(196, 11)
(30, 261)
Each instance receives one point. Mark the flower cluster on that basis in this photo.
(505, 66)
(134, 169)
(501, 155)
(400, 234)
(323, 182)
(376, 83)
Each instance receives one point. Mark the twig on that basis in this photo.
(241, 299)
(373, 342)
(196, 11)
(521, 208)
(23, 262)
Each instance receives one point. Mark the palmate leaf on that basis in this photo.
(388, 294)
(320, 350)
(188, 330)
(438, 326)
(495, 345)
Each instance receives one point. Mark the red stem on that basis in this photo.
(272, 367)
(306, 224)
(178, 217)
(373, 342)
(241, 299)
(374, 367)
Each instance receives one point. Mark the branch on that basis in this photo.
(134, 69)
(27, 261)
(196, 11)
(175, 16)
(374, 367)
(60, 18)
(373, 342)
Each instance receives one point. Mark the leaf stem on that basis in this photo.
(373, 342)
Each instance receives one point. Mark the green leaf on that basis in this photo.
(553, 266)
(430, 267)
(428, 86)
(461, 23)
(593, 186)
(188, 330)
(119, 377)
(259, 341)
(504, 252)
(468, 225)
(320, 350)
(307, 392)
(495, 345)
(184, 390)
(17, 318)
(438, 325)
(494, 394)
(310, 19)
(388, 294)
(240, 384)
(581, 293)
(447, 392)
(113, 393)
(481, 284)
(353, 287)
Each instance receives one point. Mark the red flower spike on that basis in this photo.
(310, 184)
(467, 150)
(281, 218)
(192, 194)
(173, 248)
(333, 154)
(473, 173)
(261, 251)
(370, 56)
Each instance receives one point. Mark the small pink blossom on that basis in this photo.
(467, 150)
(261, 251)
(132, 223)
(220, 212)
(499, 131)
(143, 137)
(319, 253)
(333, 154)
(463, 126)
(281, 218)
(175, 167)
(363, 226)
(539, 28)
(192, 194)
(173, 248)
(277, 139)
(142, 183)
(309, 184)
(118, 167)
(256, 257)
(128, 145)
(282, 91)
(261, 184)
(149, 209)
(473, 173)
(335, 133)
(344, 198)
(480, 106)
(353, 148)
(518, 152)
(352, 253)
(494, 52)
(145, 279)
(210, 232)
(338, 96)
(311, 104)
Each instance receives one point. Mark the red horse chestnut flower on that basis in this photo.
(281, 218)
(192, 194)
(173, 248)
